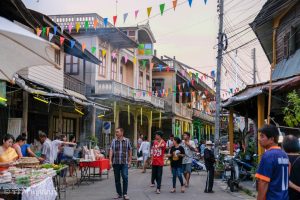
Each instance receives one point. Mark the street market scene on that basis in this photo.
(148, 100)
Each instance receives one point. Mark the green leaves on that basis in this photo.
(292, 110)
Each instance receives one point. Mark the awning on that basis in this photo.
(112, 35)
(78, 99)
(19, 49)
(252, 91)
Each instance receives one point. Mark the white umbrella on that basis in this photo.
(20, 48)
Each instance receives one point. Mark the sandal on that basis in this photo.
(158, 191)
(173, 191)
(117, 197)
(126, 197)
(182, 189)
(152, 185)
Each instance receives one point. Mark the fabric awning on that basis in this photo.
(78, 99)
(251, 91)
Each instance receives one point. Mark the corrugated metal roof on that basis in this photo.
(287, 67)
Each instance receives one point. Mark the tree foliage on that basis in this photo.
(292, 110)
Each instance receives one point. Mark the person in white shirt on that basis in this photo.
(57, 145)
(189, 148)
(145, 149)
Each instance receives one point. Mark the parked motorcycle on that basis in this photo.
(197, 165)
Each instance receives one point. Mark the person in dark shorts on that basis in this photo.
(176, 154)
(291, 146)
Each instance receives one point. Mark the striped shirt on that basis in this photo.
(120, 150)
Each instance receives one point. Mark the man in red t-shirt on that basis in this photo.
(157, 159)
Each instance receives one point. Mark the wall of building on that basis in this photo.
(47, 75)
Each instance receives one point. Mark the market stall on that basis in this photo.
(28, 180)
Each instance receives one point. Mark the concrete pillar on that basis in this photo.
(260, 120)
(150, 126)
(25, 112)
(117, 123)
(135, 129)
(231, 125)
(109, 62)
(173, 126)
(93, 121)
(119, 68)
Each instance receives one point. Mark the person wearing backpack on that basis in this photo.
(292, 147)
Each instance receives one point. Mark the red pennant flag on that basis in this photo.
(151, 65)
(83, 46)
(193, 93)
(47, 30)
(179, 86)
(115, 20)
(174, 4)
(193, 81)
(168, 68)
(61, 40)
(206, 92)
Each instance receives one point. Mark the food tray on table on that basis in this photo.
(28, 162)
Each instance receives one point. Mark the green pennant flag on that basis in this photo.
(162, 8)
(86, 25)
(93, 50)
(44, 31)
(144, 63)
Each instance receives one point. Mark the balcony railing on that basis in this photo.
(119, 89)
(204, 116)
(73, 84)
(183, 111)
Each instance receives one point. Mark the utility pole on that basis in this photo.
(254, 65)
(218, 81)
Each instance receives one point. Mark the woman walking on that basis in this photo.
(145, 149)
(176, 154)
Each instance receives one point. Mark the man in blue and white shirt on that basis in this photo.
(273, 170)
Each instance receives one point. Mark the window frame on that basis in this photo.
(71, 72)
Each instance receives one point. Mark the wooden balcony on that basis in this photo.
(73, 84)
(122, 90)
(203, 116)
(183, 111)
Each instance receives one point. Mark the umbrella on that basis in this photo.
(20, 48)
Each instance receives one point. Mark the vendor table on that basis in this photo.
(86, 166)
(60, 182)
(43, 190)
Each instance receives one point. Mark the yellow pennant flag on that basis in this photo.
(77, 26)
(103, 52)
(134, 60)
(149, 11)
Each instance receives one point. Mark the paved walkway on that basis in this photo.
(139, 189)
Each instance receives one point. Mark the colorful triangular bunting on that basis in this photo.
(174, 4)
(50, 37)
(136, 13)
(83, 46)
(190, 2)
(115, 19)
(162, 8)
(125, 17)
(72, 42)
(105, 22)
(93, 50)
(77, 26)
(61, 40)
(149, 11)
(54, 30)
(95, 23)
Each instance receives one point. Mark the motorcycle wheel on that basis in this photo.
(232, 186)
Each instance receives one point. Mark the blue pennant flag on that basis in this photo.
(105, 21)
(190, 2)
(231, 90)
(72, 43)
(54, 30)
(205, 1)
(144, 94)
(160, 67)
(187, 94)
(188, 84)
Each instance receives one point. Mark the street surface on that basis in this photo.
(139, 189)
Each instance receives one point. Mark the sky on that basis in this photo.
(189, 33)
